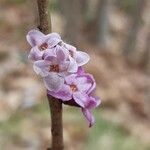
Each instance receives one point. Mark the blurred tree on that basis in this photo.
(102, 20)
(74, 13)
(129, 45)
(126, 6)
(145, 59)
(97, 27)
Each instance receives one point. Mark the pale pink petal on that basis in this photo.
(80, 70)
(51, 58)
(61, 56)
(82, 58)
(73, 67)
(98, 100)
(93, 102)
(64, 66)
(52, 39)
(35, 37)
(70, 47)
(65, 51)
(86, 78)
(41, 67)
(70, 79)
(53, 35)
(80, 98)
(64, 93)
(91, 79)
(53, 82)
(84, 87)
(49, 52)
(81, 79)
(92, 88)
(35, 54)
(53, 42)
(84, 82)
(72, 50)
(88, 115)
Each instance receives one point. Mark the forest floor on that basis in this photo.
(122, 120)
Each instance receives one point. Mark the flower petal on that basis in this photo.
(71, 49)
(81, 98)
(70, 79)
(53, 42)
(49, 54)
(35, 54)
(53, 82)
(63, 69)
(93, 102)
(91, 79)
(35, 37)
(53, 35)
(52, 39)
(41, 67)
(80, 70)
(84, 87)
(73, 67)
(88, 115)
(64, 93)
(61, 55)
(85, 82)
(82, 58)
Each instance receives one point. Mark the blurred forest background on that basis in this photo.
(116, 34)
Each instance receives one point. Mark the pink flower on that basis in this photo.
(54, 68)
(81, 58)
(59, 64)
(40, 43)
(79, 88)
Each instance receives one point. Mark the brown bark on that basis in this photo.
(54, 104)
(44, 17)
(56, 123)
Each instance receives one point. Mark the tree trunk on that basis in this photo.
(130, 43)
(73, 11)
(145, 60)
(103, 22)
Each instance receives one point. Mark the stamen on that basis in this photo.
(73, 88)
(44, 46)
(54, 68)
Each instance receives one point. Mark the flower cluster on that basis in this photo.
(60, 66)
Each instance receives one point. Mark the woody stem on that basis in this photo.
(54, 104)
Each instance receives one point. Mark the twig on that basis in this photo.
(54, 104)
(56, 121)
(44, 16)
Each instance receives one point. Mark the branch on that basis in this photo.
(56, 122)
(44, 16)
(54, 104)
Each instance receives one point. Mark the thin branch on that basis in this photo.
(56, 121)
(44, 16)
(54, 104)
